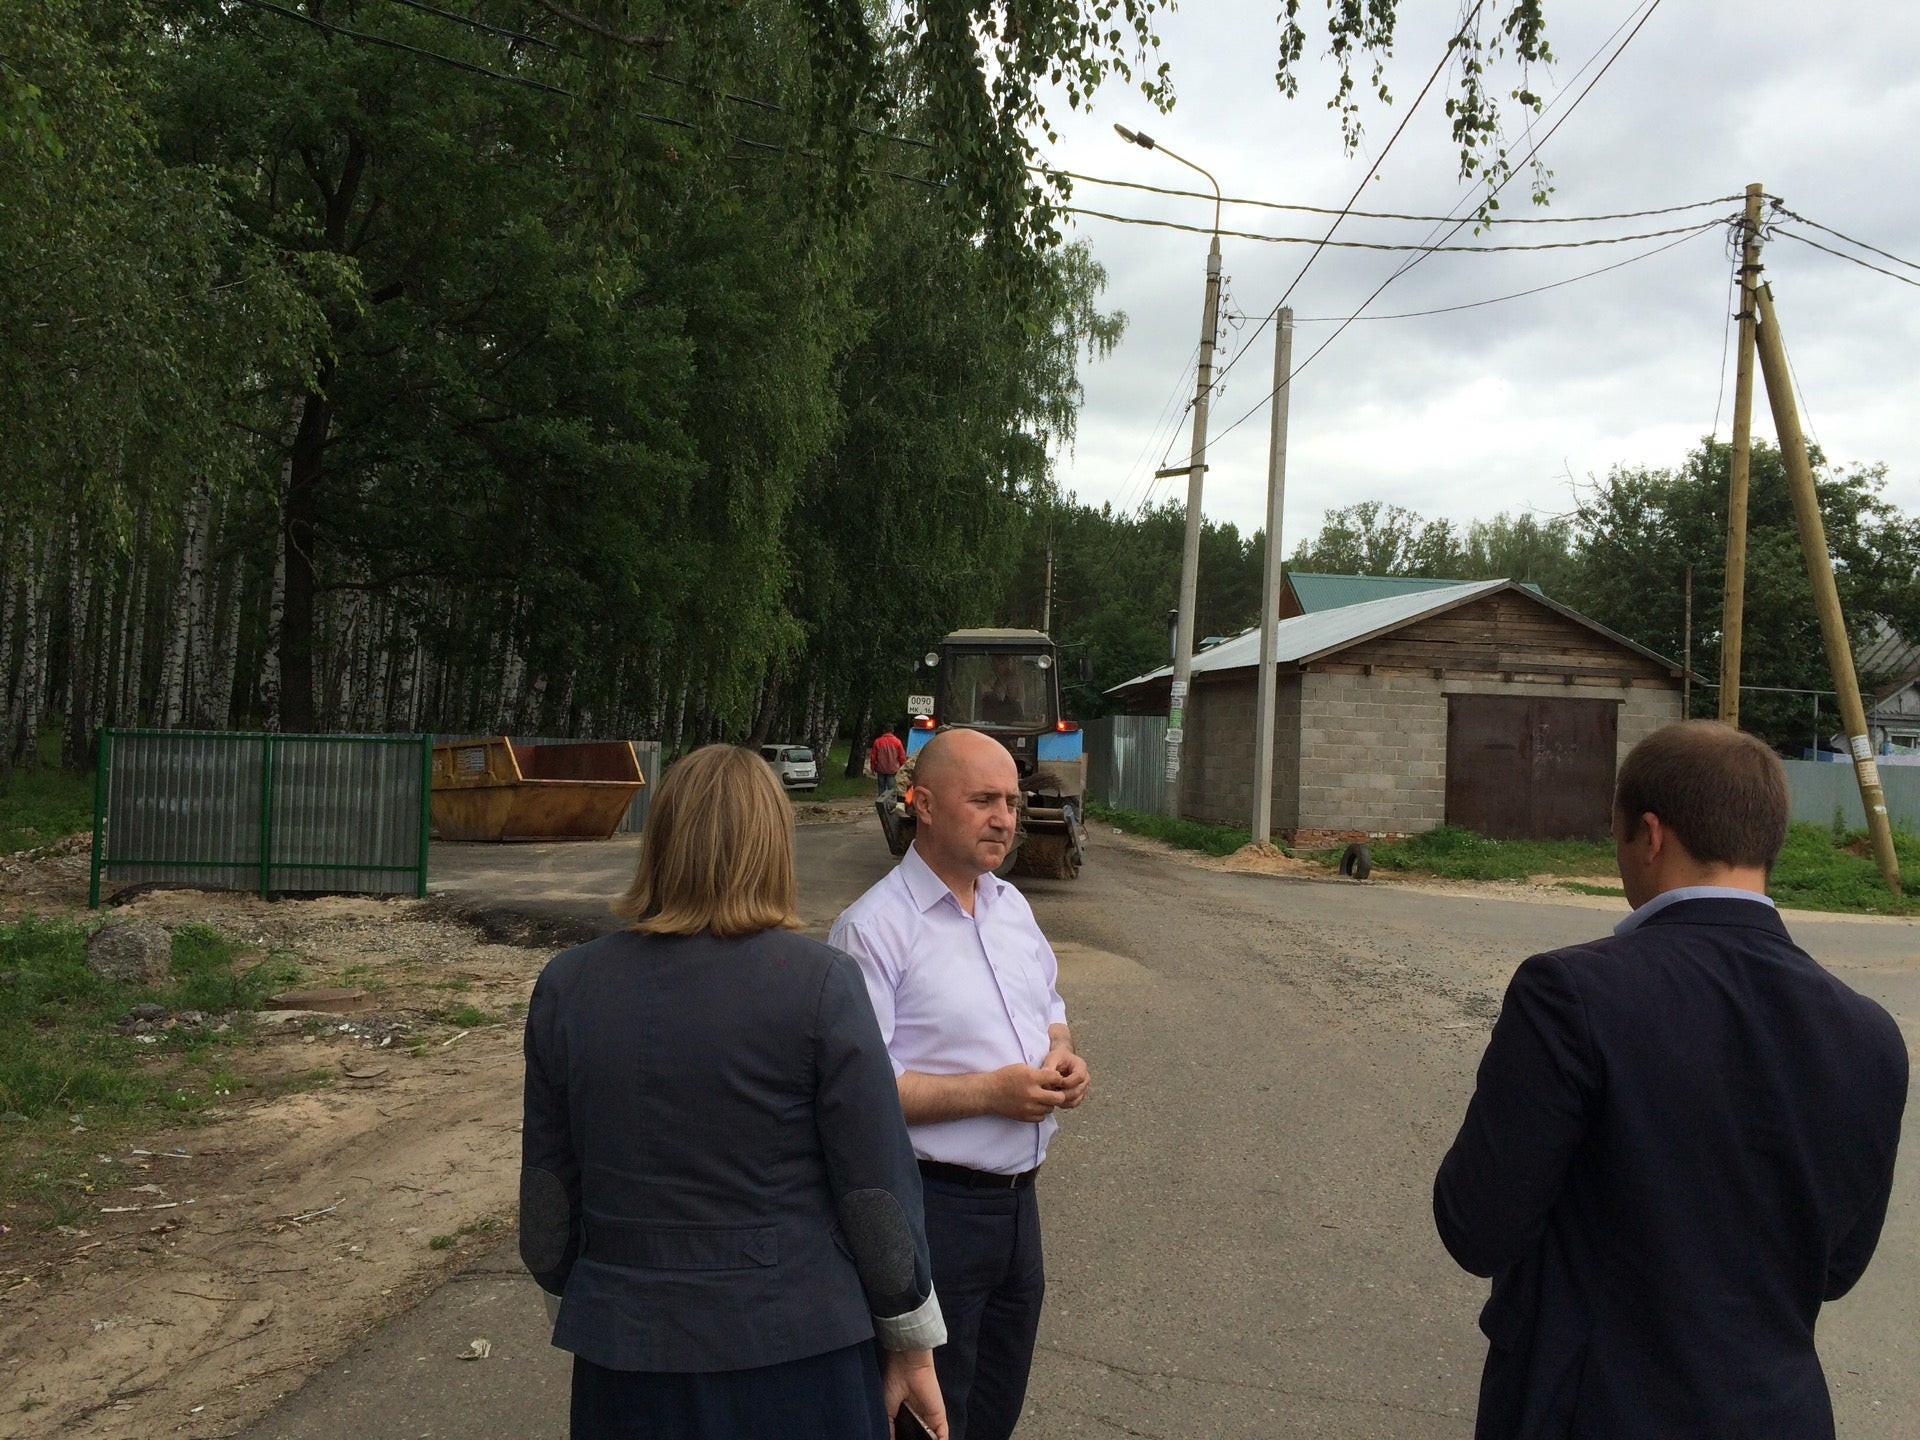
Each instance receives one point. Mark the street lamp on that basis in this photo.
(1196, 469)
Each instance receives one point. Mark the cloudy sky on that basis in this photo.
(1507, 406)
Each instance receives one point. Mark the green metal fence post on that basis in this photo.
(266, 814)
(99, 816)
(426, 808)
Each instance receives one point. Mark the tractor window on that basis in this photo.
(1004, 689)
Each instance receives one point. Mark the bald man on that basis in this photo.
(962, 982)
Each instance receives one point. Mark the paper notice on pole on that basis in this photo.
(1176, 736)
(1862, 747)
(1868, 772)
(1173, 767)
(1179, 691)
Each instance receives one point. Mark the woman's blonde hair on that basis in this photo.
(716, 853)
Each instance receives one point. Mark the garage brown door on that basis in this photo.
(1525, 767)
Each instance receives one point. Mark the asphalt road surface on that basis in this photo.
(1238, 1232)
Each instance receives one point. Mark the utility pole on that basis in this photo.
(1270, 578)
(1686, 654)
(1196, 469)
(1826, 596)
(1732, 622)
(1046, 597)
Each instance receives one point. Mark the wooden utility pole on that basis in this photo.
(1826, 596)
(1732, 623)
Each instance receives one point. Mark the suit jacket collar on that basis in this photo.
(1720, 912)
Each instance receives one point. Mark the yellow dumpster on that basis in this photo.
(492, 789)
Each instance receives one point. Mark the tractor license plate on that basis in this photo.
(919, 704)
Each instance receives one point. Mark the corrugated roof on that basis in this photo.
(1317, 633)
(1887, 655)
(1336, 592)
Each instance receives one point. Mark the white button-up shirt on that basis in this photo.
(1686, 892)
(958, 994)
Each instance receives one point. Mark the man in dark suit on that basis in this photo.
(1682, 1137)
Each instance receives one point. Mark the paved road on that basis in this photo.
(1238, 1232)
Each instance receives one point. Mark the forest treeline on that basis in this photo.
(346, 387)
(1619, 554)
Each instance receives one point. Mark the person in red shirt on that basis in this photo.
(885, 759)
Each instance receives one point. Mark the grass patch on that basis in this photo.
(72, 1085)
(1185, 834)
(466, 1017)
(38, 807)
(835, 783)
(1456, 854)
(1820, 869)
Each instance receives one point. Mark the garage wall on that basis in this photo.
(1217, 788)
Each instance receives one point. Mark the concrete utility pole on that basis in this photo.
(1046, 598)
(1732, 621)
(1826, 596)
(1270, 578)
(1196, 469)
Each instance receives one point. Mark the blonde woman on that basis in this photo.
(717, 1179)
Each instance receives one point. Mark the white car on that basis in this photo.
(794, 764)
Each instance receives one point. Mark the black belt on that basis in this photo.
(977, 1179)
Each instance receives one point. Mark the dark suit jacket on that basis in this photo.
(1681, 1142)
(712, 1137)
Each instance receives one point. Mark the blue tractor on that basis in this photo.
(1005, 683)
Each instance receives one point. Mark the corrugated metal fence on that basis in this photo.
(1818, 787)
(1127, 761)
(273, 813)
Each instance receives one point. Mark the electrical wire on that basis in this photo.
(1620, 50)
(472, 24)
(1842, 255)
(1391, 247)
(1726, 337)
(1710, 226)
(1781, 209)
(1381, 214)
(466, 65)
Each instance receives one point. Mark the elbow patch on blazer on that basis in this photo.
(882, 1243)
(546, 1220)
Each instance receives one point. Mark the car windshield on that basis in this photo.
(800, 755)
(1004, 688)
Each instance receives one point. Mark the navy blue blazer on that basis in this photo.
(716, 1173)
(1681, 1142)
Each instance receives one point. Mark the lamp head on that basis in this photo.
(1135, 137)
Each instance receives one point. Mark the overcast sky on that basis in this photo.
(1495, 408)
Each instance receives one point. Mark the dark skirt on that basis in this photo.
(835, 1396)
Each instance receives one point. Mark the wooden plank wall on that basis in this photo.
(1507, 634)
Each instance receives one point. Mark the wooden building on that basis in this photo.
(1481, 704)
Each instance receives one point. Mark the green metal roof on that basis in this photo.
(1336, 592)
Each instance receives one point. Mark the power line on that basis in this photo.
(466, 65)
(1726, 336)
(1781, 209)
(480, 25)
(1522, 294)
(1842, 255)
(1373, 168)
(1382, 214)
(1646, 15)
(1441, 249)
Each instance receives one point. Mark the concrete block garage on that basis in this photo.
(1481, 704)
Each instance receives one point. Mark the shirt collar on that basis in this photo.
(927, 888)
(1686, 892)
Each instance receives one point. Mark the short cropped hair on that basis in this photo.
(1721, 792)
(716, 854)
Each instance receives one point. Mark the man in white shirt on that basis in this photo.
(962, 982)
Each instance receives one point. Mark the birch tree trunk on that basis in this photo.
(29, 703)
(219, 707)
(183, 616)
(76, 739)
(202, 647)
(134, 655)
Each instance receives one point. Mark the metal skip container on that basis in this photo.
(492, 789)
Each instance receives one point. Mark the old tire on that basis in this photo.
(1356, 862)
(1046, 857)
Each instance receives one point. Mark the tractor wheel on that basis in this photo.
(1046, 857)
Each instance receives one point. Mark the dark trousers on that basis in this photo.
(988, 1272)
(834, 1396)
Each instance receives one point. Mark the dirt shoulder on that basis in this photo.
(216, 1265)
